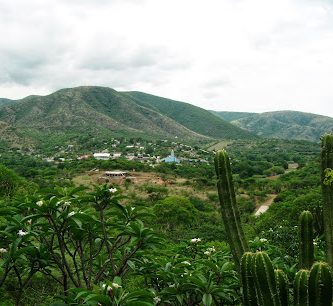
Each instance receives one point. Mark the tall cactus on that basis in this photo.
(327, 189)
(249, 291)
(282, 287)
(230, 213)
(265, 281)
(320, 285)
(301, 288)
(306, 239)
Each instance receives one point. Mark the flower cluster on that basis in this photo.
(156, 300)
(22, 233)
(209, 251)
(113, 190)
(195, 240)
(2, 250)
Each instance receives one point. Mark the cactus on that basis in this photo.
(282, 287)
(301, 288)
(249, 291)
(230, 213)
(306, 239)
(265, 281)
(327, 190)
(320, 284)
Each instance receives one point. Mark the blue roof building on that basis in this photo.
(171, 158)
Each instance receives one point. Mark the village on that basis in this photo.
(151, 153)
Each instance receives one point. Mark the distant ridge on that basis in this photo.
(102, 112)
(282, 124)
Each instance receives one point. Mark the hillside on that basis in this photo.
(284, 124)
(101, 112)
(231, 116)
(190, 116)
(4, 101)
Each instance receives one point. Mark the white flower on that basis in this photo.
(40, 203)
(156, 300)
(195, 240)
(108, 288)
(115, 285)
(72, 213)
(2, 250)
(132, 208)
(113, 190)
(263, 240)
(66, 204)
(29, 221)
(186, 263)
(22, 233)
(207, 253)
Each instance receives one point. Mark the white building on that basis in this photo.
(102, 156)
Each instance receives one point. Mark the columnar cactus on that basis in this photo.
(265, 281)
(306, 239)
(301, 288)
(230, 213)
(320, 285)
(249, 291)
(327, 189)
(282, 287)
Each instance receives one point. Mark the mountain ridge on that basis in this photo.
(103, 112)
(283, 124)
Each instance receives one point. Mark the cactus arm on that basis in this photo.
(327, 190)
(282, 287)
(301, 288)
(320, 285)
(249, 291)
(306, 240)
(265, 281)
(229, 209)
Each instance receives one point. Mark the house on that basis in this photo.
(171, 158)
(116, 155)
(102, 156)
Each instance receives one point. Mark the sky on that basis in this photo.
(227, 55)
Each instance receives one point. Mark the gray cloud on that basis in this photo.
(252, 55)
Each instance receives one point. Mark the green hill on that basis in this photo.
(4, 101)
(231, 116)
(285, 124)
(190, 116)
(101, 112)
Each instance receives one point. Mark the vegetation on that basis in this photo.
(281, 124)
(156, 237)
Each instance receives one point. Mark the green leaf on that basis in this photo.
(207, 299)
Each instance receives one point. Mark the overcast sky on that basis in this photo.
(237, 55)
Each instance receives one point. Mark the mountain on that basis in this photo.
(283, 124)
(101, 112)
(194, 118)
(231, 116)
(4, 101)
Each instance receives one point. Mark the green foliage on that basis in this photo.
(9, 182)
(175, 211)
